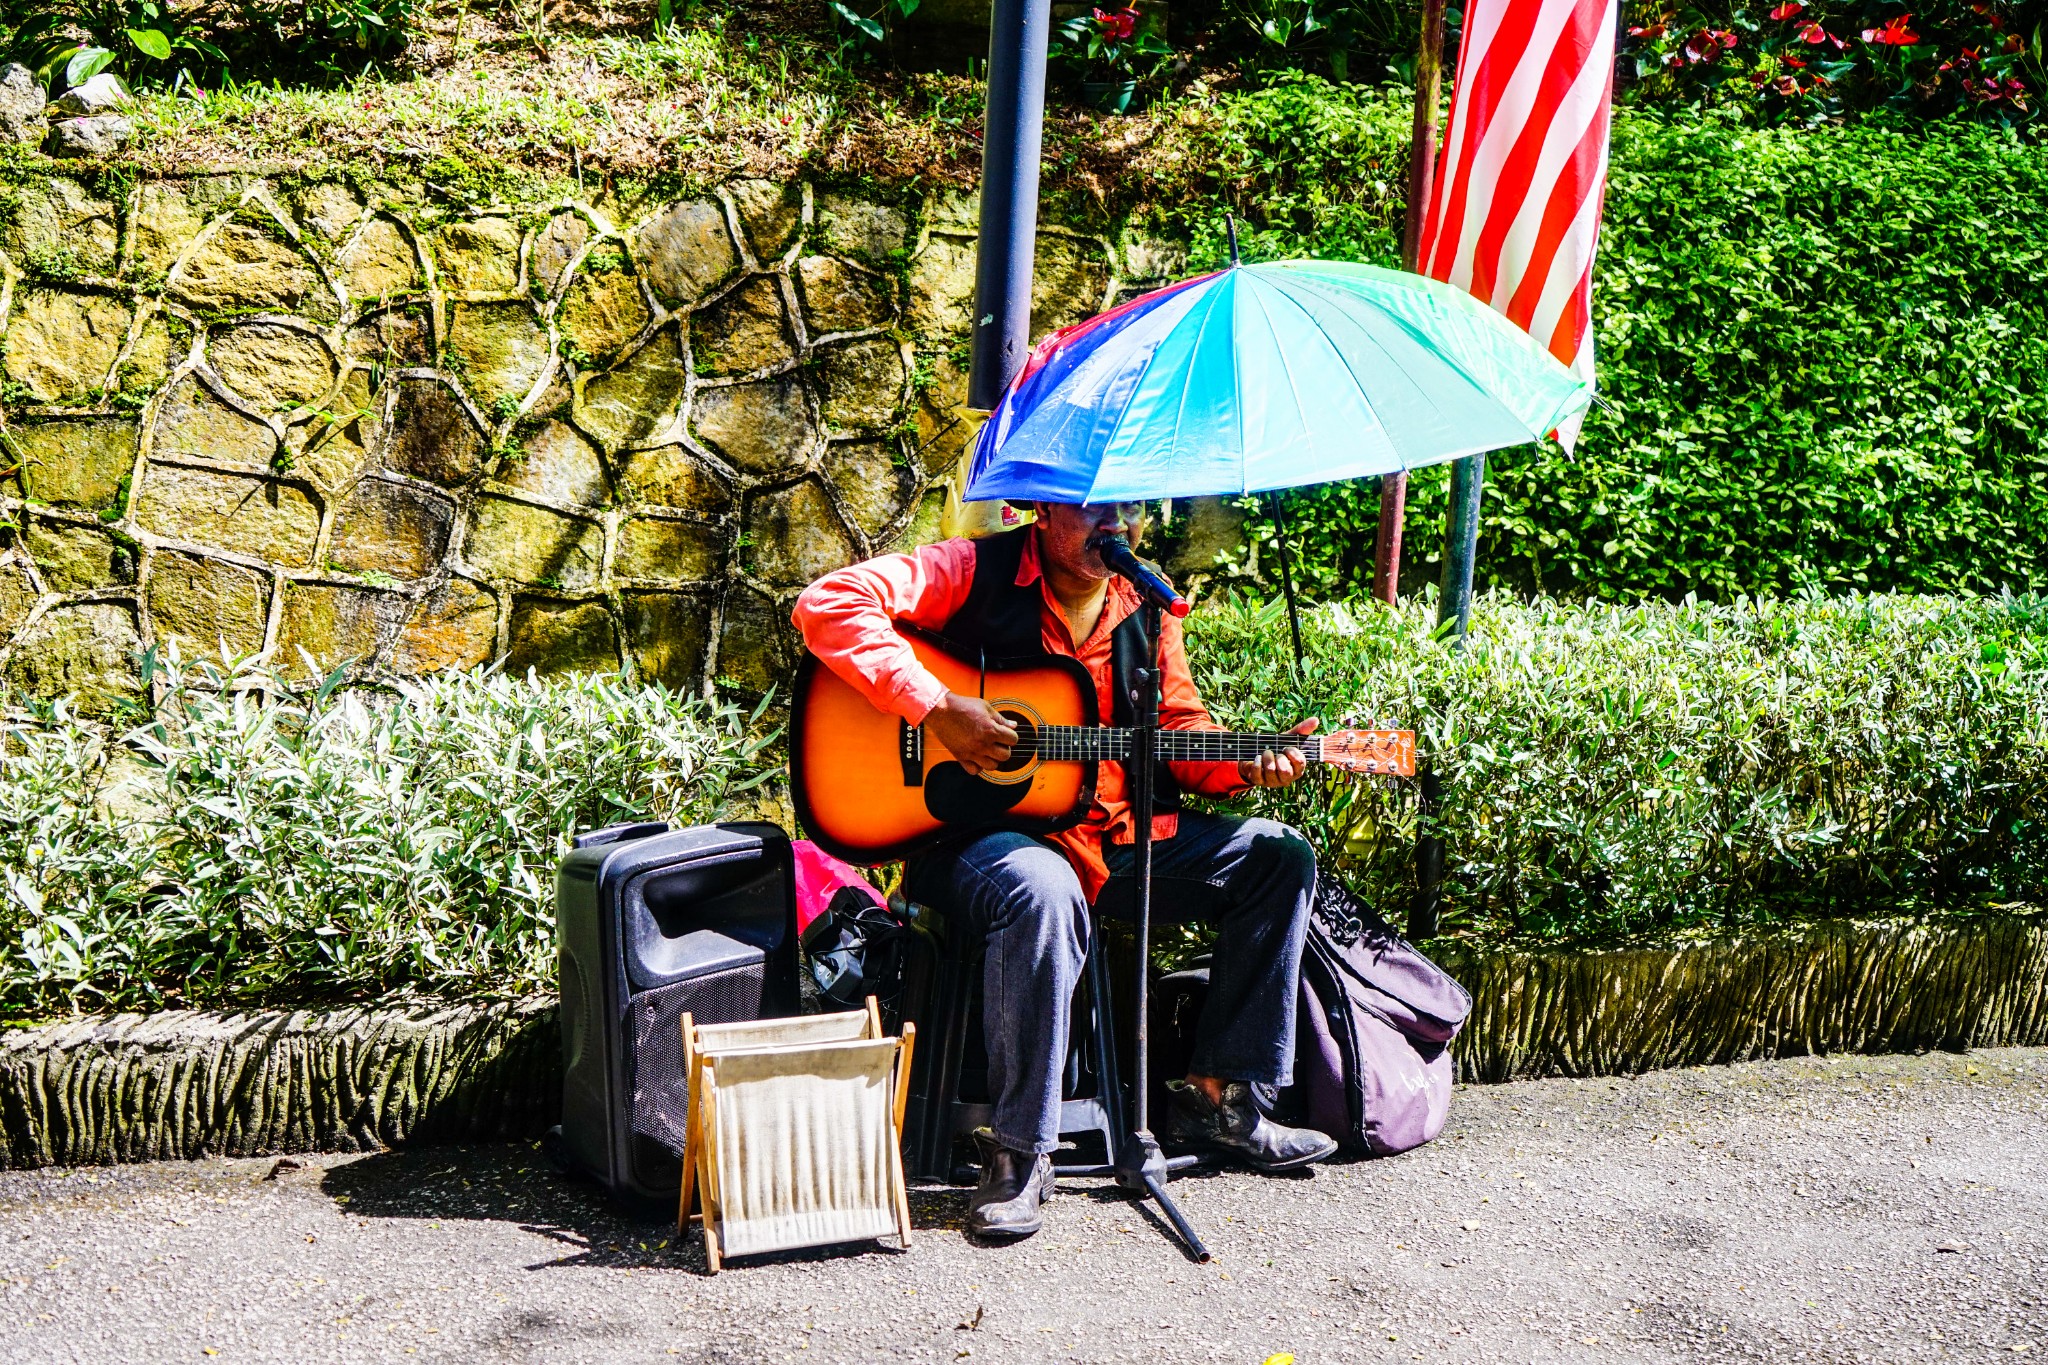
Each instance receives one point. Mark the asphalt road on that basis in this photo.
(1848, 1209)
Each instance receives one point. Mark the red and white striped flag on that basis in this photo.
(1515, 209)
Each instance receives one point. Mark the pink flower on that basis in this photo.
(1894, 34)
(1118, 24)
(1788, 9)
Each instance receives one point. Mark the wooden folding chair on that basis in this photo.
(794, 1135)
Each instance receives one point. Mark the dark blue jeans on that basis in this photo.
(1254, 879)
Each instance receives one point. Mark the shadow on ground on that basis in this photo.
(515, 1184)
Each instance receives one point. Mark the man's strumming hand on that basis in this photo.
(1277, 767)
(972, 731)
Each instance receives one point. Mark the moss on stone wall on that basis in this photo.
(390, 426)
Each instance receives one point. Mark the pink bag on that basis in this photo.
(819, 878)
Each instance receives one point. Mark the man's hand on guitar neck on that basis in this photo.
(1277, 767)
(972, 731)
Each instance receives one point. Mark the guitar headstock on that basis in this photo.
(1379, 753)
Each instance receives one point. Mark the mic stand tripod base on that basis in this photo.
(1142, 1169)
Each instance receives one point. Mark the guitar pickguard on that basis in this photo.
(952, 796)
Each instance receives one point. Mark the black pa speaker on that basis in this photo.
(654, 923)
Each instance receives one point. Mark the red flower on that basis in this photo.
(1812, 32)
(1894, 34)
(1118, 24)
(1796, 62)
(1788, 9)
(1653, 31)
(1787, 86)
(2013, 43)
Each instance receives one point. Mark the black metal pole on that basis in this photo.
(1011, 131)
(1286, 575)
(1140, 1166)
(1461, 550)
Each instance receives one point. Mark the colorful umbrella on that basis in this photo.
(1267, 376)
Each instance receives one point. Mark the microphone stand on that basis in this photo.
(1140, 1166)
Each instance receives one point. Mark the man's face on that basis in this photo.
(1065, 528)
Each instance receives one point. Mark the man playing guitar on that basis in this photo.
(1044, 589)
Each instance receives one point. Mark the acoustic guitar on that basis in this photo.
(872, 788)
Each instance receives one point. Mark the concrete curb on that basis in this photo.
(185, 1084)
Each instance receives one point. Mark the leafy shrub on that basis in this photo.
(245, 846)
(1611, 770)
(1823, 354)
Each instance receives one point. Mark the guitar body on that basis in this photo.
(871, 789)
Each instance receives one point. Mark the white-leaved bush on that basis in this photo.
(246, 842)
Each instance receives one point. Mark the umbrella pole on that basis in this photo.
(1286, 577)
(1140, 1166)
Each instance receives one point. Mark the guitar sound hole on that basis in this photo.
(1026, 749)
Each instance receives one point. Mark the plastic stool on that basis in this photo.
(938, 1117)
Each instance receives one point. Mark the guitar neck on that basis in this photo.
(1097, 743)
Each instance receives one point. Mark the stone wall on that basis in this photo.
(188, 1083)
(362, 422)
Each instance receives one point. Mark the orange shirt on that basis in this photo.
(848, 620)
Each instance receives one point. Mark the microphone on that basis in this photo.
(1116, 554)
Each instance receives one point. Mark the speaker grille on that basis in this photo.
(660, 1093)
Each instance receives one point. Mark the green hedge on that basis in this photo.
(1823, 354)
(1608, 771)
(1615, 770)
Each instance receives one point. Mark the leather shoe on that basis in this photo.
(1237, 1127)
(1008, 1203)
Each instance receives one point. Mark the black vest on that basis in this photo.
(1000, 619)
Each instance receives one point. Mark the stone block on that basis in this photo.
(861, 384)
(517, 542)
(394, 338)
(1212, 530)
(334, 444)
(874, 482)
(324, 626)
(478, 257)
(389, 528)
(668, 634)
(942, 288)
(926, 525)
(81, 462)
(658, 549)
(763, 428)
(239, 513)
(745, 331)
(22, 99)
(757, 645)
(162, 344)
(793, 535)
(18, 596)
(100, 135)
(88, 650)
(669, 476)
(243, 269)
(105, 93)
(686, 252)
(636, 403)
(555, 247)
(454, 626)
(214, 610)
(1153, 261)
(275, 367)
(1069, 281)
(193, 422)
(58, 228)
(60, 347)
(771, 214)
(556, 462)
(874, 233)
(601, 315)
(166, 221)
(379, 262)
(328, 209)
(838, 297)
(77, 558)
(560, 637)
(499, 350)
(432, 436)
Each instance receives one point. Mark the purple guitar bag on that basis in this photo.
(1372, 1062)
